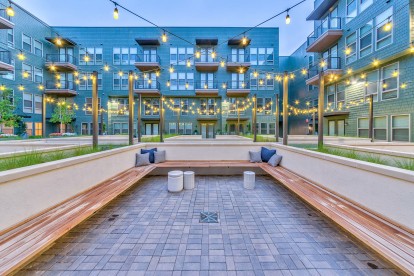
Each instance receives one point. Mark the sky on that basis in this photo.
(199, 13)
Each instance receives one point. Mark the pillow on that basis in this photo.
(255, 157)
(266, 154)
(151, 153)
(159, 156)
(275, 160)
(142, 159)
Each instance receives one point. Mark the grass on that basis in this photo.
(155, 139)
(34, 157)
(261, 138)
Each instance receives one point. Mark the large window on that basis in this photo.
(27, 103)
(365, 40)
(340, 95)
(26, 43)
(38, 48)
(38, 104)
(27, 71)
(262, 56)
(264, 106)
(354, 7)
(181, 81)
(384, 29)
(352, 46)
(151, 107)
(208, 106)
(38, 75)
(400, 128)
(95, 56)
(85, 83)
(261, 82)
(120, 82)
(10, 37)
(120, 128)
(390, 80)
(179, 56)
(38, 128)
(121, 56)
(363, 127)
(380, 128)
(118, 107)
(371, 85)
(205, 55)
(88, 106)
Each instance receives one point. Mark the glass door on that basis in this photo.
(331, 130)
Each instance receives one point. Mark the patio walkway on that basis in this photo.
(266, 231)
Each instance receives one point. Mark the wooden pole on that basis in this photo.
(139, 118)
(285, 107)
(255, 118)
(44, 116)
(131, 107)
(321, 107)
(371, 117)
(95, 127)
(313, 123)
(277, 129)
(161, 119)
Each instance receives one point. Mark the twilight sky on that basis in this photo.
(180, 13)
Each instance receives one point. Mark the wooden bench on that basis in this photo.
(393, 243)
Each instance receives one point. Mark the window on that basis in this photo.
(38, 129)
(365, 40)
(205, 55)
(331, 96)
(363, 126)
(363, 4)
(261, 82)
(384, 34)
(380, 128)
(38, 104)
(237, 55)
(390, 80)
(27, 103)
(400, 128)
(98, 56)
(27, 43)
(181, 81)
(117, 56)
(236, 105)
(29, 128)
(261, 56)
(120, 82)
(151, 107)
(121, 56)
(340, 95)
(371, 85)
(172, 128)
(120, 128)
(208, 106)
(95, 56)
(10, 37)
(352, 46)
(88, 106)
(9, 75)
(264, 106)
(38, 48)
(237, 81)
(179, 56)
(38, 75)
(85, 82)
(27, 71)
(118, 106)
(351, 9)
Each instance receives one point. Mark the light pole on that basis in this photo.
(321, 106)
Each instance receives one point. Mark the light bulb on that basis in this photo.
(59, 41)
(106, 67)
(21, 56)
(213, 55)
(304, 71)
(120, 73)
(375, 62)
(168, 83)
(197, 54)
(244, 40)
(255, 74)
(188, 63)
(10, 11)
(116, 13)
(171, 69)
(388, 27)
(86, 58)
(287, 19)
(164, 37)
(222, 63)
(348, 51)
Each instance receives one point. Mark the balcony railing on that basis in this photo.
(333, 23)
(61, 58)
(206, 85)
(331, 63)
(60, 85)
(238, 85)
(147, 84)
(238, 58)
(150, 58)
(5, 56)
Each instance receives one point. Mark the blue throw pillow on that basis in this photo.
(267, 154)
(151, 153)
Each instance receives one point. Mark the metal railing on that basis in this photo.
(238, 58)
(206, 85)
(238, 85)
(5, 56)
(61, 58)
(147, 58)
(333, 23)
(331, 63)
(61, 84)
(146, 84)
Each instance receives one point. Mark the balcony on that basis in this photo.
(207, 64)
(321, 7)
(5, 21)
(238, 89)
(238, 63)
(61, 62)
(331, 69)
(5, 61)
(147, 62)
(329, 32)
(147, 87)
(62, 88)
(206, 88)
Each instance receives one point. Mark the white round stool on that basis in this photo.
(175, 181)
(249, 180)
(189, 180)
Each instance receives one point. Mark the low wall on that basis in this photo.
(385, 191)
(25, 192)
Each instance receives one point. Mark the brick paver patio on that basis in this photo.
(266, 231)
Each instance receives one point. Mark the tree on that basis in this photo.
(7, 116)
(63, 114)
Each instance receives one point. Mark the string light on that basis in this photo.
(21, 56)
(244, 40)
(403, 85)
(52, 67)
(197, 54)
(76, 73)
(25, 74)
(58, 41)
(41, 87)
(164, 37)
(157, 73)
(106, 67)
(186, 85)
(255, 74)
(86, 58)
(21, 87)
(171, 69)
(323, 63)
(388, 26)
(10, 11)
(268, 76)
(2, 87)
(224, 85)
(292, 76)
(241, 70)
(304, 71)
(349, 71)
(395, 73)
(213, 55)
(375, 62)
(363, 76)
(222, 63)
(188, 63)
(120, 73)
(116, 13)
(77, 81)
(168, 83)
(287, 17)
(348, 51)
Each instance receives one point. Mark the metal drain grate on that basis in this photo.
(209, 217)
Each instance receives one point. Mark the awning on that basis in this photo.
(148, 41)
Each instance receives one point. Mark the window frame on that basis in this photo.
(34, 47)
(398, 82)
(38, 110)
(31, 43)
(409, 126)
(383, 22)
(27, 109)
